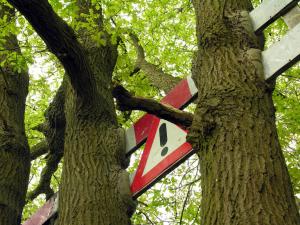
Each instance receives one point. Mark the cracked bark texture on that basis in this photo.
(244, 176)
(89, 191)
(94, 188)
(14, 149)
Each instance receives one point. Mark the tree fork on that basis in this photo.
(93, 173)
(62, 42)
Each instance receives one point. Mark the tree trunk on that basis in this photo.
(95, 186)
(243, 172)
(14, 149)
(89, 191)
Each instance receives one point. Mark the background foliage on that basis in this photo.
(166, 29)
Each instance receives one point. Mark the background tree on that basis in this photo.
(172, 31)
(14, 149)
(94, 188)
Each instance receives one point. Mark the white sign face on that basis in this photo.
(168, 138)
(268, 11)
(282, 54)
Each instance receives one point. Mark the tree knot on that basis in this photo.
(204, 122)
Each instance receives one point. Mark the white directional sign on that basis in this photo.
(159, 157)
(166, 146)
(268, 11)
(182, 94)
(292, 18)
(282, 54)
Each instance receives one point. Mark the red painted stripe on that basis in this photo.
(141, 182)
(137, 184)
(179, 95)
(41, 216)
(142, 128)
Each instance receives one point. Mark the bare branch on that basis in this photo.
(45, 180)
(39, 149)
(139, 49)
(157, 77)
(53, 128)
(135, 70)
(187, 197)
(126, 102)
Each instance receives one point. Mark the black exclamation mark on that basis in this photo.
(163, 139)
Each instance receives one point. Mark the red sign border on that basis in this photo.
(140, 182)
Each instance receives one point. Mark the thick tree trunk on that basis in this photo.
(243, 172)
(14, 149)
(93, 150)
(95, 187)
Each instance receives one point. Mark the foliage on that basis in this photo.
(166, 29)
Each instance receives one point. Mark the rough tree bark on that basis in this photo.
(14, 149)
(93, 133)
(244, 177)
(94, 187)
(243, 172)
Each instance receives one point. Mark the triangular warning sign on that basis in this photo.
(166, 146)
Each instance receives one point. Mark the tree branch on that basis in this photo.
(39, 149)
(157, 77)
(53, 128)
(45, 180)
(126, 102)
(139, 49)
(62, 42)
(42, 127)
